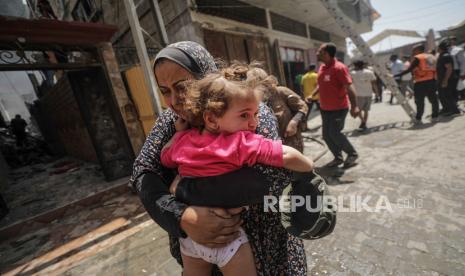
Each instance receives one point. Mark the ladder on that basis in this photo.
(380, 69)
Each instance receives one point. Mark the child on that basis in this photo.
(223, 114)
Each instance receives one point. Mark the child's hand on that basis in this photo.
(181, 124)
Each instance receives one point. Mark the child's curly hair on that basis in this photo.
(214, 94)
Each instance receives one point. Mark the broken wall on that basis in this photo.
(62, 113)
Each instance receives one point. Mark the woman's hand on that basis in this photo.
(212, 227)
(291, 129)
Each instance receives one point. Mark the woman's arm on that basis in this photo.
(247, 185)
(298, 107)
(151, 180)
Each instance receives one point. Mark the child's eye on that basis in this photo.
(245, 115)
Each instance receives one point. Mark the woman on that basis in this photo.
(287, 106)
(275, 251)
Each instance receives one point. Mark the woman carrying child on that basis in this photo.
(275, 251)
(223, 116)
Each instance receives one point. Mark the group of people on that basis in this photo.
(221, 133)
(424, 75)
(437, 76)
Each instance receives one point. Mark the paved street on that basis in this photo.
(420, 171)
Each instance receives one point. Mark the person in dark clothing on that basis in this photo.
(18, 127)
(423, 69)
(446, 80)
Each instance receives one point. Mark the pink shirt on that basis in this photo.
(196, 154)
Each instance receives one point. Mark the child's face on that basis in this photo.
(242, 114)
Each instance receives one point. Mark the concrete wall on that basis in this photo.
(178, 22)
(64, 120)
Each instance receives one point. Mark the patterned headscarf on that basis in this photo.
(190, 55)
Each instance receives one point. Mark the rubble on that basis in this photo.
(34, 151)
(40, 187)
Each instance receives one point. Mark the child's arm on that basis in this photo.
(296, 161)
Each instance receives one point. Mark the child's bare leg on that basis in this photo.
(243, 263)
(195, 266)
(174, 185)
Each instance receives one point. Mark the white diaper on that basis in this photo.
(219, 256)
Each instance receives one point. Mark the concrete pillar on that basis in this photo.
(125, 105)
(178, 22)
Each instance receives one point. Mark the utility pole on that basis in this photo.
(143, 55)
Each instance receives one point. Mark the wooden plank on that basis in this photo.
(47, 66)
(141, 98)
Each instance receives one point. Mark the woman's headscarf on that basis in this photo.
(190, 55)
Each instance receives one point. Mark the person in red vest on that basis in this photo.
(336, 90)
(423, 68)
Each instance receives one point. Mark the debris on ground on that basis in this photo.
(34, 151)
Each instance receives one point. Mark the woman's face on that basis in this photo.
(171, 79)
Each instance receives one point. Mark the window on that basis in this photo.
(287, 25)
(233, 9)
(318, 34)
(291, 54)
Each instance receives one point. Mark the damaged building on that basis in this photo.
(91, 106)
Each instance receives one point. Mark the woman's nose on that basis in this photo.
(174, 99)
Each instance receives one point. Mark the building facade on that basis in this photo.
(284, 35)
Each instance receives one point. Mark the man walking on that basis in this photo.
(446, 80)
(335, 89)
(365, 84)
(423, 68)
(309, 84)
